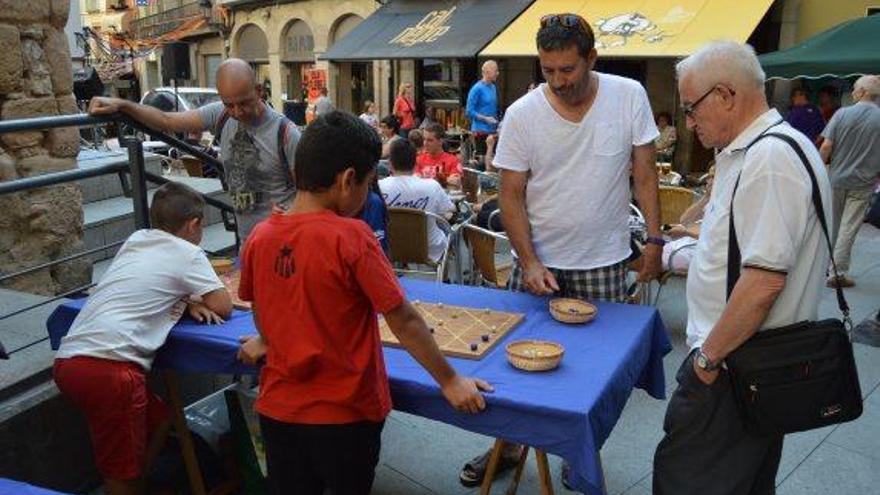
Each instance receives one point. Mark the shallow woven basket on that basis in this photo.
(572, 310)
(534, 355)
(222, 266)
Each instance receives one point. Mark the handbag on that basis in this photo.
(801, 376)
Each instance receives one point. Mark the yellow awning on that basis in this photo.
(638, 28)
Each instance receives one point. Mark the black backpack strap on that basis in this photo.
(218, 127)
(734, 257)
(283, 126)
(282, 141)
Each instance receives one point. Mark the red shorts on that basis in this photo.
(120, 410)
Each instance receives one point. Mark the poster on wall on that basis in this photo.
(314, 80)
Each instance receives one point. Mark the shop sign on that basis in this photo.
(428, 30)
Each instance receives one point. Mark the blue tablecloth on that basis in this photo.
(12, 487)
(568, 412)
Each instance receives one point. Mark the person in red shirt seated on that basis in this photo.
(316, 279)
(434, 163)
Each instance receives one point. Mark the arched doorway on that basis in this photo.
(355, 82)
(297, 56)
(252, 46)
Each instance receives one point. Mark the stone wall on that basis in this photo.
(36, 79)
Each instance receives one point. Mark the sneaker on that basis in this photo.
(867, 332)
(474, 471)
(564, 471)
(843, 281)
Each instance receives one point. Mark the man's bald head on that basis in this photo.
(238, 88)
(236, 70)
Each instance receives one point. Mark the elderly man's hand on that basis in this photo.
(652, 264)
(101, 105)
(537, 279)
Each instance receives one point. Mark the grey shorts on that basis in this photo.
(607, 283)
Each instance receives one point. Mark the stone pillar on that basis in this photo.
(36, 79)
(276, 80)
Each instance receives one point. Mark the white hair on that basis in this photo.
(723, 62)
(870, 85)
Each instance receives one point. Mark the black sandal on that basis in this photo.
(474, 471)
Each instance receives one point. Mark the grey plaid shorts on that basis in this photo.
(606, 283)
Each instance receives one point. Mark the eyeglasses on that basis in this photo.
(690, 109)
(570, 21)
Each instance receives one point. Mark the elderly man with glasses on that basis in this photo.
(764, 191)
(573, 143)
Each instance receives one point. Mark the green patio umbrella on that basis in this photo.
(848, 49)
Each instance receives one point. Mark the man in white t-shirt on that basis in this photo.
(573, 144)
(102, 362)
(783, 261)
(405, 190)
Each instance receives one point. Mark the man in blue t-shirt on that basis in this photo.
(482, 106)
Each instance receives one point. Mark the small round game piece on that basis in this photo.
(485, 337)
(454, 315)
(439, 304)
(487, 311)
(494, 327)
(431, 329)
(474, 347)
(439, 323)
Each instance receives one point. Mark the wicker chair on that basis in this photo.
(673, 202)
(408, 240)
(483, 244)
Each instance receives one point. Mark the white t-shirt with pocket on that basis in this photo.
(140, 298)
(409, 191)
(578, 194)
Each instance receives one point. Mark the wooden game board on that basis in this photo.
(461, 327)
(231, 281)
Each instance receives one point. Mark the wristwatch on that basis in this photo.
(704, 363)
(656, 240)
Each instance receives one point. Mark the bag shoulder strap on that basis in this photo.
(734, 257)
(283, 126)
(219, 125)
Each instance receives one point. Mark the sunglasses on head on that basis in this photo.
(570, 21)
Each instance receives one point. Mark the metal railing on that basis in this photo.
(134, 178)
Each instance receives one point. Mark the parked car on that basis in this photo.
(187, 99)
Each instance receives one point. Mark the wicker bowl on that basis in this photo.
(222, 266)
(572, 310)
(534, 355)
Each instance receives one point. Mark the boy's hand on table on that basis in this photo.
(463, 393)
(252, 349)
(202, 314)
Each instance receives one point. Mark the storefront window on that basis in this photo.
(444, 87)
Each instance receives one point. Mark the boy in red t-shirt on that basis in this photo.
(316, 279)
(434, 163)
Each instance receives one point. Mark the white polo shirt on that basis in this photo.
(776, 226)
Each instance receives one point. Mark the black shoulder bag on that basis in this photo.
(800, 376)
